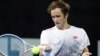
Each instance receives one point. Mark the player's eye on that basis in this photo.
(53, 16)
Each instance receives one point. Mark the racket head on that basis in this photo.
(12, 45)
(27, 53)
(2, 54)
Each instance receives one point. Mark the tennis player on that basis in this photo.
(63, 39)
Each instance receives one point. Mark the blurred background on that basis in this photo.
(27, 18)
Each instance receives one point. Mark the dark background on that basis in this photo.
(27, 18)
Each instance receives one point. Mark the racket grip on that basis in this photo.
(46, 53)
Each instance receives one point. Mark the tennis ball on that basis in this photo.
(35, 50)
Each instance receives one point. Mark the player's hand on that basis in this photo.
(44, 48)
(41, 53)
(86, 54)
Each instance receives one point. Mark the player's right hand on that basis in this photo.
(86, 54)
(45, 48)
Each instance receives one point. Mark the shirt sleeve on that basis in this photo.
(85, 40)
(43, 38)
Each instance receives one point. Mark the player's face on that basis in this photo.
(60, 20)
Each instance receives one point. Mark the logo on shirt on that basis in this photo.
(75, 37)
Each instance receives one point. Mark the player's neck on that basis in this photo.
(66, 26)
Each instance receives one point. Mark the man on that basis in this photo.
(63, 39)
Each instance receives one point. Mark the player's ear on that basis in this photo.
(66, 15)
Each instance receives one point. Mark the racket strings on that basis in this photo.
(26, 52)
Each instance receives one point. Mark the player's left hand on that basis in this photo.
(86, 54)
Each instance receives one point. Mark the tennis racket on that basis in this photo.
(13, 45)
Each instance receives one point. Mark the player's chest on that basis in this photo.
(70, 37)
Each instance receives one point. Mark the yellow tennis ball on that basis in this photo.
(35, 50)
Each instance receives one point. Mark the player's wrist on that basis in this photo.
(45, 47)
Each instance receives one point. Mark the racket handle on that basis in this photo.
(46, 53)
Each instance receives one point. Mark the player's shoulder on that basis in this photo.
(49, 29)
(77, 28)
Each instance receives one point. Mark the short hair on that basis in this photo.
(65, 7)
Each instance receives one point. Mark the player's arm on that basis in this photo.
(86, 52)
(44, 42)
(85, 44)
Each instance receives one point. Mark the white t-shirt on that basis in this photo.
(68, 42)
